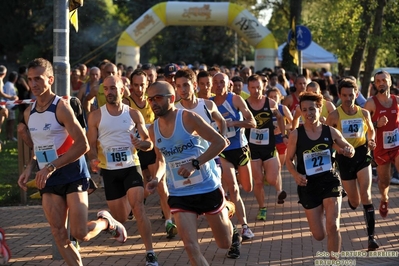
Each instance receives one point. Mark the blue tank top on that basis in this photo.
(179, 149)
(229, 112)
(278, 137)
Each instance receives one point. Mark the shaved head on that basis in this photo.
(161, 87)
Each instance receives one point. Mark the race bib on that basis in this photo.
(118, 157)
(259, 136)
(391, 139)
(178, 180)
(45, 154)
(352, 128)
(317, 162)
(231, 131)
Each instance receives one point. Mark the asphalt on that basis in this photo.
(283, 239)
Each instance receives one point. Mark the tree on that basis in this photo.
(373, 46)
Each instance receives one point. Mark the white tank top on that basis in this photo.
(114, 147)
(50, 138)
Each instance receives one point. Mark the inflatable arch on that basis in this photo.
(197, 14)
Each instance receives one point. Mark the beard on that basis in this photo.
(382, 91)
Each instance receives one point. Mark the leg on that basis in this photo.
(55, 210)
(332, 208)
(245, 173)
(273, 177)
(81, 229)
(352, 191)
(257, 173)
(136, 197)
(187, 228)
(316, 222)
(221, 227)
(384, 175)
(364, 180)
(233, 189)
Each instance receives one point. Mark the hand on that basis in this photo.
(301, 180)
(41, 178)
(23, 179)
(135, 141)
(371, 144)
(186, 170)
(152, 186)
(348, 151)
(382, 121)
(94, 165)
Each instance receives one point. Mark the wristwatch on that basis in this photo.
(51, 167)
(196, 164)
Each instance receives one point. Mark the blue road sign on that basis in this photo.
(303, 37)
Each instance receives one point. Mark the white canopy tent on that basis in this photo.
(313, 56)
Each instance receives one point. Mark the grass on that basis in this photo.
(9, 174)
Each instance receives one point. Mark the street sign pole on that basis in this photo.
(303, 40)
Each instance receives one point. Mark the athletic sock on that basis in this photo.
(369, 217)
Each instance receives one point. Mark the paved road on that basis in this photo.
(284, 239)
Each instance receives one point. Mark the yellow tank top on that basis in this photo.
(101, 96)
(352, 127)
(146, 111)
(324, 111)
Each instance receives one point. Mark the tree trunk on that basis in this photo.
(358, 54)
(373, 46)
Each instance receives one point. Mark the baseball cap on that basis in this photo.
(171, 69)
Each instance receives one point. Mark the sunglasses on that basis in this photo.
(158, 97)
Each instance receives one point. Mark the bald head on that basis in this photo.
(161, 87)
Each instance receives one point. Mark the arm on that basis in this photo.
(330, 106)
(160, 165)
(295, 120)
(24, 177)
(370, 130)
(196, 125)
(217, 117)
(291, 150)
(287, 101)
(81, 92)
(93, 121)
(332, 119)
(280, 119)
(288, 118)
(343, 146)
(79, 147)
(145, 143)
(249, 120)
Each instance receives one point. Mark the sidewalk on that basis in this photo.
(283, 239)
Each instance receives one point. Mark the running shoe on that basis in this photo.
(247, 234)
(281, 197)
(231, 208)
(151, 260)
(372, 244)
(171, 230)
(115, 228)
(262, 214)
(394, 181)
(383, 209)
(234, 251)
(5, 253)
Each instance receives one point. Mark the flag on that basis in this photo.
(73, 12)
(73, 18)
(293, 45)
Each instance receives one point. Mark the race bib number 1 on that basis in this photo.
(45, 154)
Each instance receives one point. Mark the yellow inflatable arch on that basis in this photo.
(197, 14)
